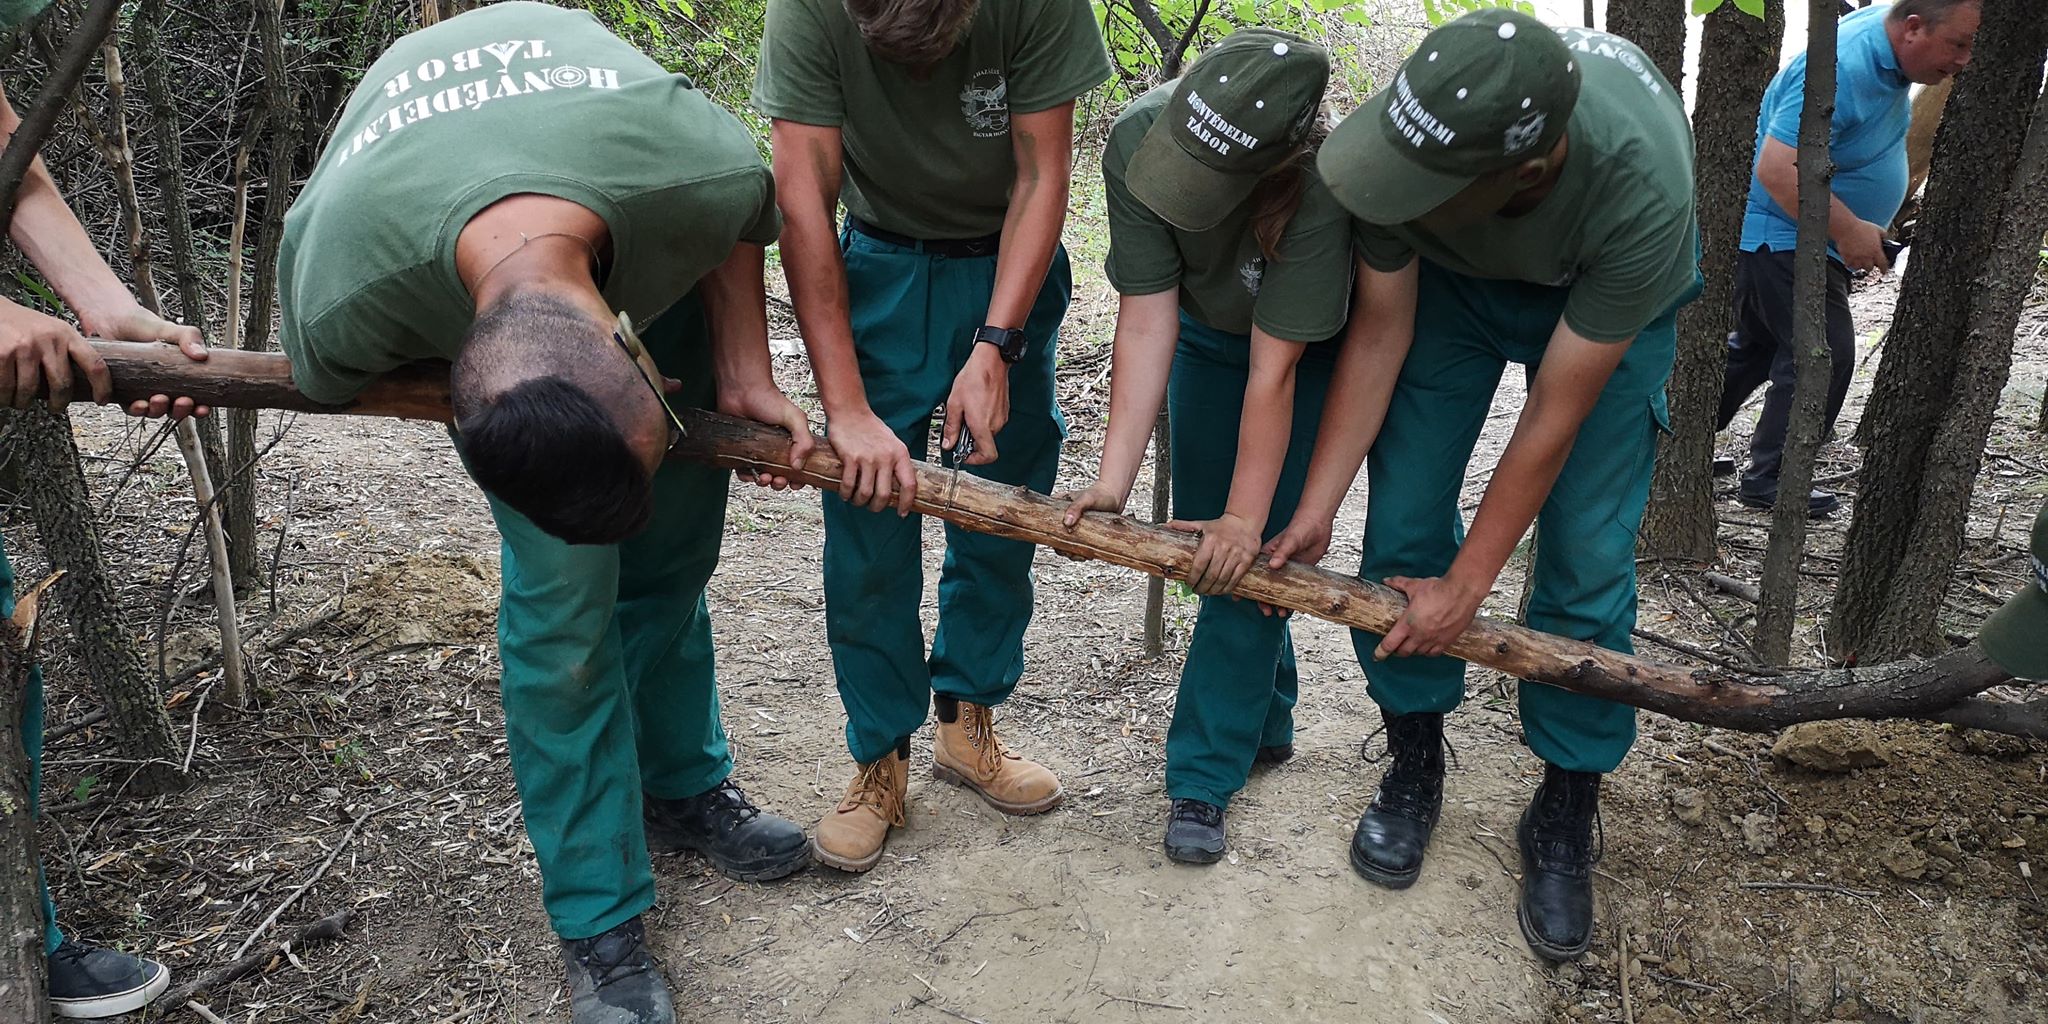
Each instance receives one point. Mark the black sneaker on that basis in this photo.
(91, 982)
(1819, 504)
(740, 840)
(1394, 831)
(613, 980)
(1558, 854)
(1194, 832)
(1278, 753)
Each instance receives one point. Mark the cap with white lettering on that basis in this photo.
(1237, 113)
(1484, 92)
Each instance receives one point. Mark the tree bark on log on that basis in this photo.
(1915, 689)
(22, 962)
(1945, 361)
(1738, 55)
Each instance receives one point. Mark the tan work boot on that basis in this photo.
(850, 838)
(967, 753)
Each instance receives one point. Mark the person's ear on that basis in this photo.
(1530, 172)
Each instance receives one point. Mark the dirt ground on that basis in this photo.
(1735, 885)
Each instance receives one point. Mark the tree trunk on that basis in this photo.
(1738, 56)
(22, 963)
(62, 510)
(170, 182)
(1658, 26)
(1811, 360)
(1945, 358)
(1173, 46)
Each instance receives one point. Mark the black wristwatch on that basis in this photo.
(1008, 340)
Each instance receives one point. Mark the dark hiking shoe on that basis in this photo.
(1395, 829)
(1724, 467)
(1819, 504)
(1279, 753)
(613, 980)
(740, 840)
(1194, 832)
(91, 982)
(1556, 837)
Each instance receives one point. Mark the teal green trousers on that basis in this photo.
(913, 316)
(32, 742)
(1466, 331)
(608, 688)
(1238, 686)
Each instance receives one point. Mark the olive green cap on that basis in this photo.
(1487, 91)
(2016, 635)
(1237, 113)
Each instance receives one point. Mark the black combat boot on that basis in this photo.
(614, 980)
(1556, 837)
(1395, 829)
(743, 842)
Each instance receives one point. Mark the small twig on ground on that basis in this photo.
(1143, 1002)
(330, 927)
(1838, 890)
(1702, 654)
(926, 1001)
(201, 1010)
(1628, 1006)
(1733, 587)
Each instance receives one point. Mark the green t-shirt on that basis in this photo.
(928, 157)
(512, 98)
(1619, 229)
(1225, 281)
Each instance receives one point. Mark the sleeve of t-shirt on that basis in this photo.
(332, 364)
(1380, 248)
(797, 75)
(1780, 113)
(1059, 56)
(1305, 294)
(1648, 266)
(1144, 258)
(766, 226)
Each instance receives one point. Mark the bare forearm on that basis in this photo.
(1361, 385)
(48, 232)
(817, 288)
(1043, 145)
(1140, 364)
(736, 297)
(1262, 437)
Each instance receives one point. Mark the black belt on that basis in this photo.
(957, 248)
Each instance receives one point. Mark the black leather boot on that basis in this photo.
(743, 842)
(1395, 829)
(1556, 837)
(1194, 832)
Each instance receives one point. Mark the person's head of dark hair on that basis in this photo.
(916, 33)
(555, 422)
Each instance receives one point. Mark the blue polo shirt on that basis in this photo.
(1867, 138)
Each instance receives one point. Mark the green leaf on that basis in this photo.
(1753, 8)
(1706, 6)
(84, 789)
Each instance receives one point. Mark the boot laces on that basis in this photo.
(613, 955)
(1411, 786)
(1566, 831)
(872, 787)
(727, 805)
(1198, 811)
(979, 723)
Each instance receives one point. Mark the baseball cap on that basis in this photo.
(1236, 114)
(2016, 635)
(1481, 93)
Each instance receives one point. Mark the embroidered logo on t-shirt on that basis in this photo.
(1253, 274)
(986, 103)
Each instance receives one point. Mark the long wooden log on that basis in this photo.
(1912, 689)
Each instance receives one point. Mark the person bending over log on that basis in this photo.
(946, 128)
(1233, 263)
(499, 185)
(1523, 195)
(1880, 53)
(39, 354)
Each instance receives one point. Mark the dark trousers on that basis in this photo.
(1760, 351)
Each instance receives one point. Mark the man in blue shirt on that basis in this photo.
(1881, 52)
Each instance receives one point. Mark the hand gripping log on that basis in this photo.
(1937, 688)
